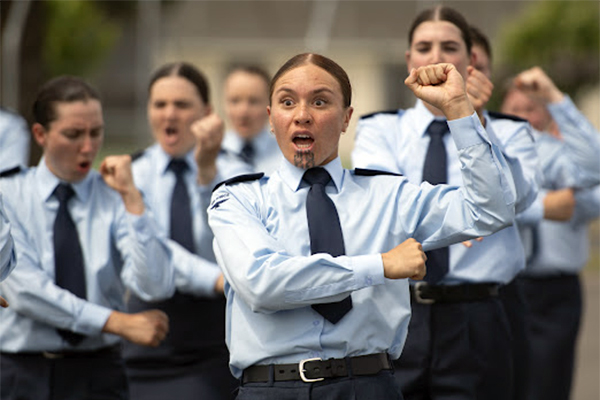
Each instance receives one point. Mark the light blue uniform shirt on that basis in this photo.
(262, 244)
(398, 143)
(7, 252)
(267, 156)
(14, 141)
(194, 273)
(120, 251)
(563, 247)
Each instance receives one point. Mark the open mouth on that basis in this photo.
(170, 131)
(303, 142)
(84, 165)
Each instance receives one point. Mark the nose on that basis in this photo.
(303, 115)
(436, 55)
(87, 144)
(170, 111)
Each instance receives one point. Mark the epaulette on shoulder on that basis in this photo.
(240, 178)
(137, 154)
(497, 115)
(10, 172)
(378, 112)
(373, 172)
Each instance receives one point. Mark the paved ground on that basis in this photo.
(587, 375)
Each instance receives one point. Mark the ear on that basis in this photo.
(347, 118)
(270, 122)
(473, 57)
(39, 134)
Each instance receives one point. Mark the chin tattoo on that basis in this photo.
(304, 160)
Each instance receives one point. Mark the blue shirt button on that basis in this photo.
(316, 322)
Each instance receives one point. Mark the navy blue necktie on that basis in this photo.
(325, 234)
(247, 153)
(68, 257)
(181, 212)
(435, 171)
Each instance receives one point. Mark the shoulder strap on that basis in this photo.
(10, 172)
(136, 155)
(497, 115)
(239, 179)
(378, 112)
(373, 172)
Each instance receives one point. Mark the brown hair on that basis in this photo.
(322, 62)
(443, 13)
(478, 38)
(187, 71)
(62, 89)
(252, 70)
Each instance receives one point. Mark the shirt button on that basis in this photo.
(369, 280)
(316, 322)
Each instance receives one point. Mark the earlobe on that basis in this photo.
(473, 58)
(347, 118)
(39, 134)
(270, 122)
(407, 58)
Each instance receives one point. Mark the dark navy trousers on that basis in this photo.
(553, 320)
(34, 377)
(376, 387)
(513, 299)
(457, 351)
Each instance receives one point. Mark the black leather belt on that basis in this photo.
(424, 293)
(52, 355)
(315, 369)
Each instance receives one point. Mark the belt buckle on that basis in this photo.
(302, 370)
(52, 356)
(417, 291)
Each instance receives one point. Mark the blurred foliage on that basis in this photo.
(79, 34)
(561, 36)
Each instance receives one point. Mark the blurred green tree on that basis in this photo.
(78, 35)
(561, 36)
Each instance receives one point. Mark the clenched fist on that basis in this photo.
(407, 260)
(442, 86)
(116, 172)
(208, 132)
(536, 84)
(479, 89)
(146, 328)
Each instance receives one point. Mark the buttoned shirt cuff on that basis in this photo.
(467, 131)
(92, 319)
(535, 213)
(198, 278)
(368, 270)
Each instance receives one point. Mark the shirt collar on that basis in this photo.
(260, 141)
(423, 118)
(46, 182)
(163, 159)
(292, 175)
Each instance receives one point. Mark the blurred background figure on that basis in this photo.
(82, 238)
(511, 294)
(7, 251)
(459, 295)
(14, 141)
(556, 229)
(246, 93)
(176, 176)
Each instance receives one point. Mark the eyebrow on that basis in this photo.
(316, 91)
(443, 42)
